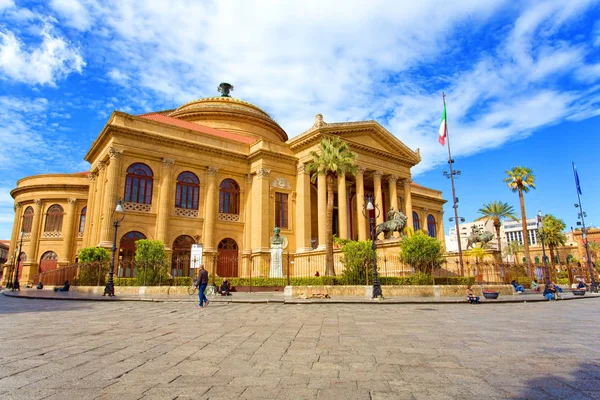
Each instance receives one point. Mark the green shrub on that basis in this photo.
(92, 274)
(422, 252)
(563, 281)
(455, 280)
(124, 281)
(182, 281)
(92, 254)
(358, 262)
(152, 268)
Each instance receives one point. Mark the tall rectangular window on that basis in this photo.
(281, 210)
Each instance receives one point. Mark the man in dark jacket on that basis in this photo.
(202, 283)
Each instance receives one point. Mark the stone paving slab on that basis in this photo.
(279, 298)
(173, 350)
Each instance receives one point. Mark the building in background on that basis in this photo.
(466, 229)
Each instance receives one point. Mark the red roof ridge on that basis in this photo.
(157, 117)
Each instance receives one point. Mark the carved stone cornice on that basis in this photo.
(212, 171)
(113, 152)
(72, 202)
(263, 173)
(168, 162)
(92, 176)
(37, 202)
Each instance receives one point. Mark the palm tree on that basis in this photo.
(513, 249)
(333, 158)
(497, 211)
(593, 248)
(521, 179)
(552, 233)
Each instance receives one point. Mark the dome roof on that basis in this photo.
(231, 114)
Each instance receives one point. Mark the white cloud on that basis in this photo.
(52, 60)
(4, 4)
(76, 14)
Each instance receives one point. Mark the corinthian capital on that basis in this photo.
(113, 152)
(16, 206)
(263, 173)
(392, 179)
(301, 168)
(37, 202)
(168, 162)
(101, 165)
(72, 202)
(92, 176)
(377, 174)
(212, 171)
(360, 170)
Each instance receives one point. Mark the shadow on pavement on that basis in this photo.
(10, 305)
(581, 383)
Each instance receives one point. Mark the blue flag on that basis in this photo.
(577, 180)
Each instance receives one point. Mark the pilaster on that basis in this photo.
(90, 209)
(342, 207)
(360, 199)
(408, 203)
(210, 212)
(303, 209)
(68, 232)
(392, 182)
(260, 210)
(96, 221)
(164, 199)
(32, 255)
(322, 210)
(110, 197)
(247, 227)
(16, 228)
(378, 196)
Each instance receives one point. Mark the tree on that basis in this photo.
(552, 233)
(91, 254)
(93, 265)
(593, 248)
(151, 262)
(513, 249)
(520, 180)
(421, 252)
(496, 211)
(333, 159)
(358, 262)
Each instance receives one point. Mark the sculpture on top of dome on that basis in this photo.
(224, 89)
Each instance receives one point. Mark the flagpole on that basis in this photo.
(454, 201)
(593, 285)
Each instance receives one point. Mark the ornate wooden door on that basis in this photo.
(227, 260)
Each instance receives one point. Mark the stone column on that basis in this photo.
(210, 211)
(247, 227)
(260, 211)
(110, 197)
(96, 217)
(68, 232)
(343, 207)
(164, 200)
(16, 230)
(378, 198)
(303, 210)
(408, 203)
(361, 221)
(392, 181)
(90, 209)
(441, 235)
(32, 255)
(322, 210)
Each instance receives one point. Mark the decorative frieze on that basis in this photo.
(229, 217)
(137, 207)
(281, 183)
(55, 234)
(186, 212)
(27, 235)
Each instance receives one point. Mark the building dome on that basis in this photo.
(229, 114)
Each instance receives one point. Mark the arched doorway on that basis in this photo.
(227, 260)
(180, 260)
(127, 253)
(48, 262)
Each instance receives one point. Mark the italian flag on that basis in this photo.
(443, 128)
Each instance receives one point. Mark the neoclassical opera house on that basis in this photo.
(217, 171)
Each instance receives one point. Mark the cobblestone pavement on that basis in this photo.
(140, 350)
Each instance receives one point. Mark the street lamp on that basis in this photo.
(117, 216)
(371, 212)
(16, 285)
(540, 226)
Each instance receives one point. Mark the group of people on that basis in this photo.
(202, 283)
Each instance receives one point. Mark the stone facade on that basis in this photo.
(221, 172)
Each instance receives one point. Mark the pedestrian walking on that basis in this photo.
(202, 283)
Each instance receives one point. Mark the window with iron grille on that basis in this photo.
(54, 219)
(431, 225)
(186, 193)
(229, 197)
(281, 210)
(27, 220)
(82, 219)
(138, 184)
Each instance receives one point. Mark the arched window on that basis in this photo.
(54, 219)
(82, 219)
(416, 224)
(431, 225)
(186, 194)
(138, 185)
(27, 220)
(229, 197)
(180, 259)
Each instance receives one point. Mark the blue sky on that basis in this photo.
(522, 81)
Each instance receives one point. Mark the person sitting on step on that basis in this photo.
(471, 298)
(518, 288)
(225, 288)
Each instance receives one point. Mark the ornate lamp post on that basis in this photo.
(16, 285)
(117, 216)
(371, 212)
(540, 226)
